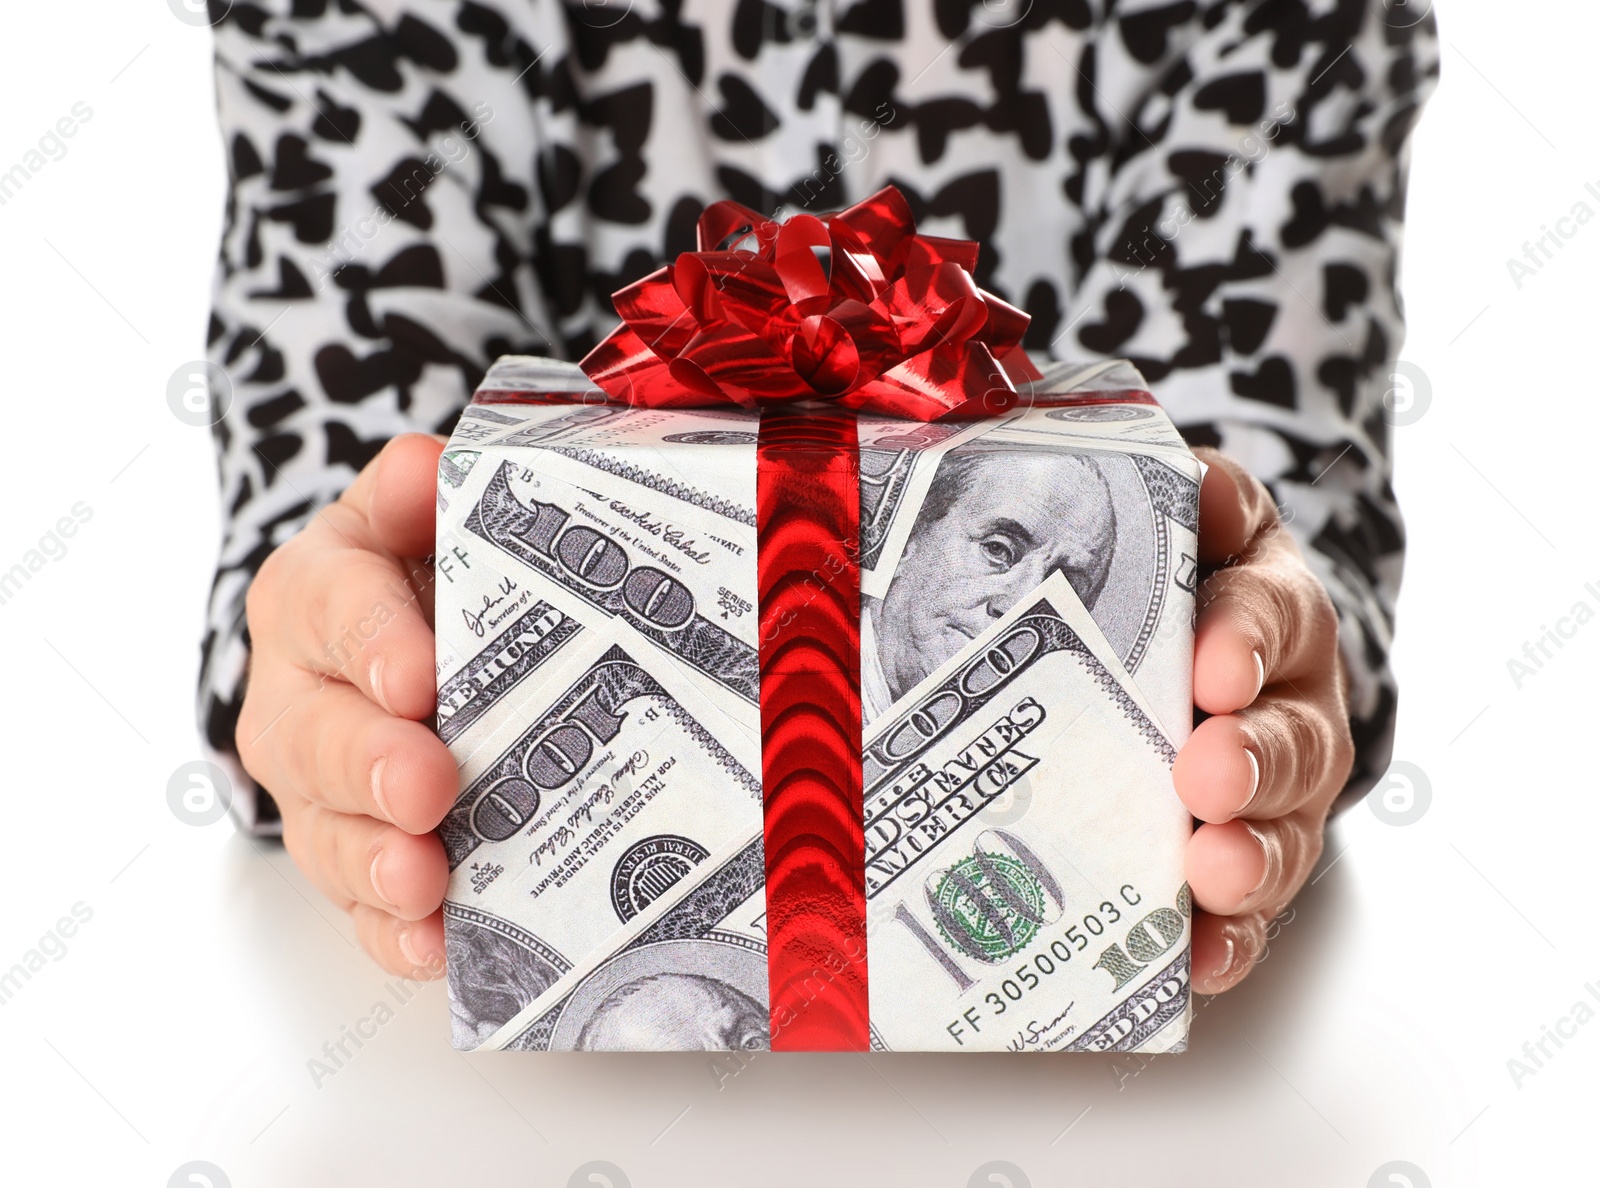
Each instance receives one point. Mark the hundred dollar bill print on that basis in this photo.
(627, 443)
(1005, 508)
(614, 794)
(514, 640)
(696, 979)
(1035, 930)
(1026, 631)
(495, 967)
(682, 576)
(898, 460)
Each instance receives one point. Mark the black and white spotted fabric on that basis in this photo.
(1214, 190)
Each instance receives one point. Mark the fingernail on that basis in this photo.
(375, 874)
(1227, 957)
(1236, 947)
(408, 950)
(1273, 853)
(375, 681)
(1255, 781)
(378, 796)
(424, 967)
(1261, 674)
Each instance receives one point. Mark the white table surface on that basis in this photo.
(178, 1023)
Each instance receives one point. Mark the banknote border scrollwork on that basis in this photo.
(482, 919)
(894, 477)
(649, 478)
(1172, 493)
(1158, 594)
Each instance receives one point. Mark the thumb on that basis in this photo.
(401, 495)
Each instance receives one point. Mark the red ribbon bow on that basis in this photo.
(892, 323)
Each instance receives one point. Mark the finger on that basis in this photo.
(395, 494)
(1267, 760)
(1225, 949)
(401, 509)
(411, 948)
(323, 742)
(352, 614)
(1253, 866)
(359, 860)
(1234, 508)
(1266, 621)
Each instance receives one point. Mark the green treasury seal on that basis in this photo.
(988, 906)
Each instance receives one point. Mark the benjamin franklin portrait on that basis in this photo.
(993, 526)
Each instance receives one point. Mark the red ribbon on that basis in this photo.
(855, 308)
(808, 505)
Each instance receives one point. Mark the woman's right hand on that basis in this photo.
(341, 682)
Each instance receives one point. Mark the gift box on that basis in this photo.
(815, 665)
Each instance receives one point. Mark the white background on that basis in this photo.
(179, 1022)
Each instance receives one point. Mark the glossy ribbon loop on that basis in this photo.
(855, 308)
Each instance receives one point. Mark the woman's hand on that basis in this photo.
(341, 679)
(1264, 769)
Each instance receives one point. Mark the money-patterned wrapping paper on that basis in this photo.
(1026, 593)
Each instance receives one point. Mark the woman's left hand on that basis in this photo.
(1263, 770)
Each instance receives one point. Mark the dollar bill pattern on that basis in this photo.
(990, 896)
(507, 797)
(541, 840)
(891, 453)
(709, 915)
(893, 777)
(511, 654)
(577, 558)
(649, 976)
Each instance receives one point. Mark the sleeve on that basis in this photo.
(374, 259)
(1243, 220)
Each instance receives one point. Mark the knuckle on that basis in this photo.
(1307, 839)
(314, 609)
(1304, 848)
(345, 850)
(311, 837)
(1260, 510)
(295, 840)
(1254, 929)
(1263, 508)
(249, 736)
(1343, 753)
(1315, 841)
(1248, 935)
(321, 840)
(1321, 615)
(1282, 612)
(329, 757)
(1294, 745)
(1268, 611)
(360, 607)
(262, 593)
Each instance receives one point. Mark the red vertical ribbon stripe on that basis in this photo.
(808, 506)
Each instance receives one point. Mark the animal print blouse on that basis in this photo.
(1212, 188)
